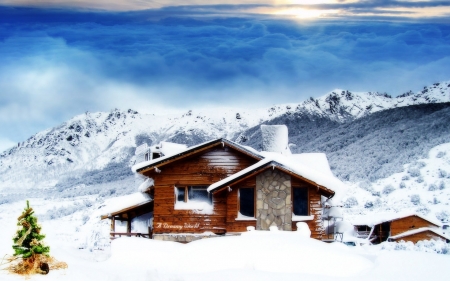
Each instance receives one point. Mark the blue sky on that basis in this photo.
(62, 58)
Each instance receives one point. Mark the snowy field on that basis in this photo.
(252, 256)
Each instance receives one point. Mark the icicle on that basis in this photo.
(157, 170)
(273, 167)
(229, 189)
(223, 144)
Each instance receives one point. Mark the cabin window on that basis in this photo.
(247, 202)
(300, 201)
(193, 194)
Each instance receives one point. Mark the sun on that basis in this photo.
(305, 13)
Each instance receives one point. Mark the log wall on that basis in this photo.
(408, 223)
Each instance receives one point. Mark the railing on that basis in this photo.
(129, 234)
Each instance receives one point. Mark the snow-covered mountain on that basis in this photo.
(99, 147)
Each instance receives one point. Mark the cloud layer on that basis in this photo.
(58, 63)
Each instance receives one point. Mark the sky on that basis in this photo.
(60, 58)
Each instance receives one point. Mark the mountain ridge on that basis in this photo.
(90, 142)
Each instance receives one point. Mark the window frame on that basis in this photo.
(239, 203)
(187, 189)
(307, 200)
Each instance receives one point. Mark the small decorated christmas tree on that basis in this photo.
(30, 254)
(28, 240)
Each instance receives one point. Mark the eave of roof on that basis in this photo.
(127, 209)
(159, 162)
(256, 169)
(418, 230)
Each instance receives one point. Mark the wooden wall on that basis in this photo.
(408, 223)
(232, 207)
(204, 168)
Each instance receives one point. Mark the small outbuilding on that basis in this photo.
(400, 226)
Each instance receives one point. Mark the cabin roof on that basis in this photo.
(418, 230)
(379, 218)
(277, 161)
(159, 162)
(312, 167)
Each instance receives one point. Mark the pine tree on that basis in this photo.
(28, 239)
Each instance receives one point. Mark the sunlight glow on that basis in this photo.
(305, 13)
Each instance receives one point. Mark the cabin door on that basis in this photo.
(273, 200)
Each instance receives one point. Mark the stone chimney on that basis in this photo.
(275, 139)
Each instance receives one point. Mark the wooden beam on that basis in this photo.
(129, 225)
(113, 224)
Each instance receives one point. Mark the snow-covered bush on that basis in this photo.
(350, 202)
(405, 178)
(442, 185)
(388, 189)
(402, 185)
(427, 246)
(414, 172)
(424, 210)
(436, 201)
(442, 173)
(368, 205)
(440, 154)
(419, 179)
(415, 199)
(432, 187)
(366, 185)
(443, 216)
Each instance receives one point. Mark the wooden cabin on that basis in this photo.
(403, 226)
(222, 188)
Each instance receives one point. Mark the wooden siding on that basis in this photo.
(408, 223)
(234, 225)
(315, 209)
(424, 235)
(205, 169)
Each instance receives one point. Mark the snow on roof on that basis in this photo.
(292, 164)
(143, 187)
(170, 148)
(317, 161)
(418, 230)
(378, 218)
(117, 204)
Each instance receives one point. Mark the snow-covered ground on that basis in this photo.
(273, 255)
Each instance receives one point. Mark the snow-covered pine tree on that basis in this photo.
(28, 238)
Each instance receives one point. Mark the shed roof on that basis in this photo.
(126, 204)
(378, 218)
(418, 230)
